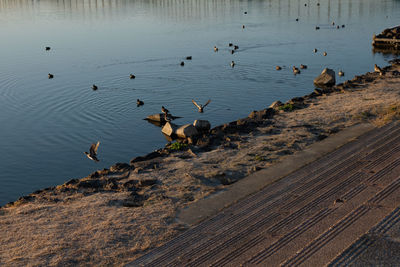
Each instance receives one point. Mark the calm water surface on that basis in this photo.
(47, 124)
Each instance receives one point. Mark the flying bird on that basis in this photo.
(201, 107)
(93, 152)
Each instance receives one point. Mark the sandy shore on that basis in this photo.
(114, 216)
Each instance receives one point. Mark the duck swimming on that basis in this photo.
(47, 48)
(278, 67)
(94, 87)
(296, 70)
(236, 47)
(201, 107)
(315, 50)
(182, 63)
(303, 66)
(93, 152)
(139, 102)
(51, 76)
(189, 58)
(325, 54)
(131, 76)
(233, 64)
(341, 73)
(215, 49)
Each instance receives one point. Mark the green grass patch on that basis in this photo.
(287, 107)
(178, 146)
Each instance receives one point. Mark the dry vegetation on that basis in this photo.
(113, 217)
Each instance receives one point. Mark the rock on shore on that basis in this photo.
(326, 78)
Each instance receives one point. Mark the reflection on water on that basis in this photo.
(194, 10)
(47, 124)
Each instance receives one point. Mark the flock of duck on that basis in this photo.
(92, 154)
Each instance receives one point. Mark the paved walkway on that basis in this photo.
(341, 209)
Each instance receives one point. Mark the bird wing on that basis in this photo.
(93, 148)
(208, 102)
(197, 105)
(97, 146)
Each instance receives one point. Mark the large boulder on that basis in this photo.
(202, 125)
(187, 130)
(169, 129)
(326, 78)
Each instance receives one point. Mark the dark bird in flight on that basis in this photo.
(93, 152)
(201, 107)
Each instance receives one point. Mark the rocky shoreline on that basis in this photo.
(222, 135)
(117, 214)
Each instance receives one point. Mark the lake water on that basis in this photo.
(47, 124)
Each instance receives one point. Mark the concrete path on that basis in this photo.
(338, 210)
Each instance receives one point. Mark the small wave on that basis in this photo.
(151, 60)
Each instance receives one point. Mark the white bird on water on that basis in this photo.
(93, 152)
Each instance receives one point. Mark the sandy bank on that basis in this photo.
(113, 216)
